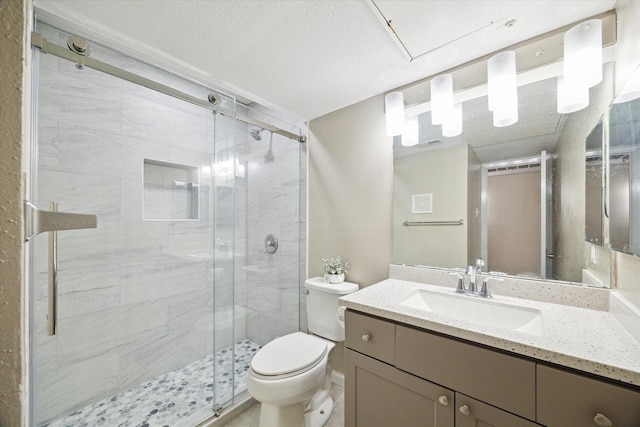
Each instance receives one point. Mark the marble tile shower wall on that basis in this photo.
(135, 296)
(273, 185)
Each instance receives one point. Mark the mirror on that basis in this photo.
(475, 177)
(624, 177)
(593, 186)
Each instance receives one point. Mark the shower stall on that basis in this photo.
(151, 317)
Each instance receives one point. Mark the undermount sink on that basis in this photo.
(477, 310)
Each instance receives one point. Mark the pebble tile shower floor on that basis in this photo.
(166, 399)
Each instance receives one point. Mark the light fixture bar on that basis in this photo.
(471, 78)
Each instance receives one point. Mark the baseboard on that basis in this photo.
(337, 378)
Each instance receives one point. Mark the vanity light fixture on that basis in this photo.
(411, 132)
(631, 90)
(503, 89)
(582, 65)
(394, 111)
(441, 98)
(583, 53)
(453, 125)
(571, 96)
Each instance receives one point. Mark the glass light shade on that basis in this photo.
(630, 91)
(411, 132)
(583, 53)
(394, 111)
(505, 117)
(453, 125)
(571, 96)
(441, 98)
(503, 88)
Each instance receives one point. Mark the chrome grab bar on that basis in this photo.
(52, 316)
(457, 222)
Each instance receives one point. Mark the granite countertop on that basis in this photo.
(588, 340)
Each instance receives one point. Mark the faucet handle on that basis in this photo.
(460, 289)
(485, 292)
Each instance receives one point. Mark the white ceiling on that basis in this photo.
(309, 58)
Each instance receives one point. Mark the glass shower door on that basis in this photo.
(134, 339)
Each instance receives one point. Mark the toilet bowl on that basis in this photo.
(287, 376)
(290, 375)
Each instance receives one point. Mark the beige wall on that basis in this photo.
(13, 354)
(350, 190)
(442, 173)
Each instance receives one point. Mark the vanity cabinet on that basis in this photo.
(499, 379)
(397, 375)
(381, 395)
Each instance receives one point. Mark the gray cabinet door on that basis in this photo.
(473, 413)
(565, 398)
(379, 395)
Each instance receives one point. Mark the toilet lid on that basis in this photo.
(287, 354)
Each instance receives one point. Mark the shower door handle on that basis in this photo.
(52, 278)
(38, 221)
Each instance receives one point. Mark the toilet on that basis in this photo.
(291, 375)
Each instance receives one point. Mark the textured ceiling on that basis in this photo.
(309, 58)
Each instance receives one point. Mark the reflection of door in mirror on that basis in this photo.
(514, 219)
(624, 176)
(593, 186)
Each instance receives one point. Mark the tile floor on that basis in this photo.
(166, 399)
(251, 417)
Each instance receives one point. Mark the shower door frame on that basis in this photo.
(32, 189)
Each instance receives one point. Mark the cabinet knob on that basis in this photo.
(366, 337)
(443, 400)
(602, 421)
(464, 410)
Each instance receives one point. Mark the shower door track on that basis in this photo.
(37, 40)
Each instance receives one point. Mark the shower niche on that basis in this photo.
(171, 191)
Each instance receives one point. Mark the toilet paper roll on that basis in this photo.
(340, 315)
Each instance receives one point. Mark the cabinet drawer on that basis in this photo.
(565, 398)
(496, 378)
(371, 336)
(473, 413)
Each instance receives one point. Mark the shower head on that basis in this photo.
(255, 134)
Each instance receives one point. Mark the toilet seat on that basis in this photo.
(288, 356)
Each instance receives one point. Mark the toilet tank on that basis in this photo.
(322, 306)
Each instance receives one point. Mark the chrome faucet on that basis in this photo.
(460, 288)
(471, 272)
(485, 292)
